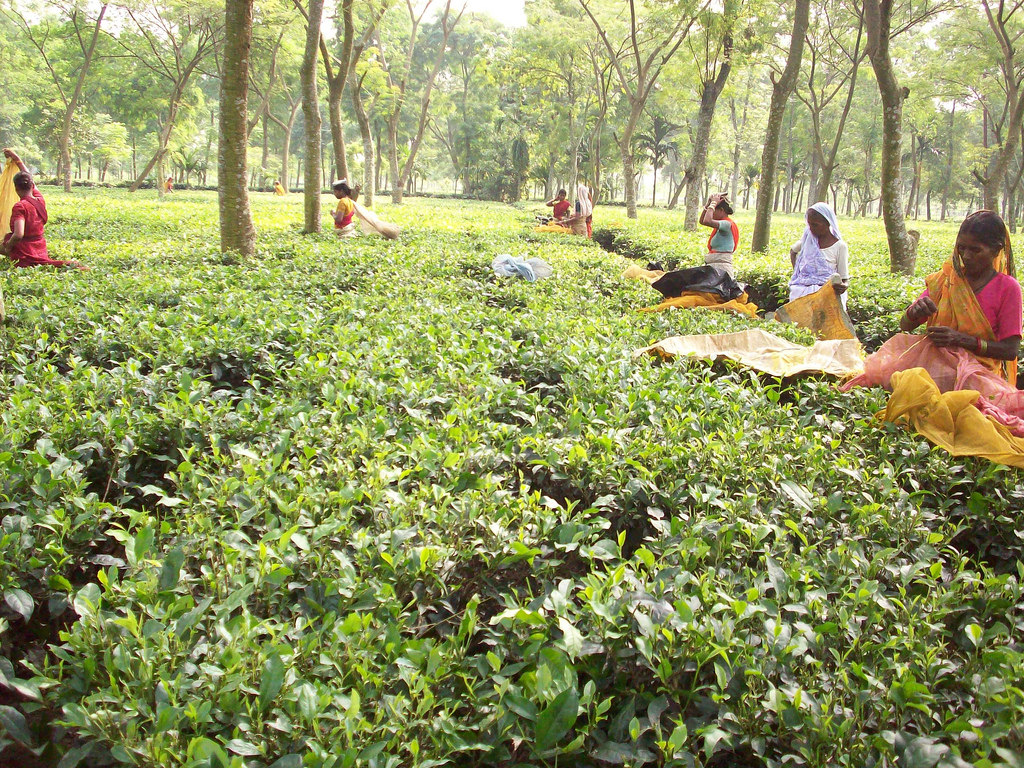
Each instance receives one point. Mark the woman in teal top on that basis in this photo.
(726, 237)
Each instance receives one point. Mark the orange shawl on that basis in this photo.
(959, 309)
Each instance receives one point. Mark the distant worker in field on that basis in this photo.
(819, 254)
(559, 205)
(585, 204)
(278, 189)
(25, 244)
(344, 226)
(726, 237)
(169, 184)
(974, 301)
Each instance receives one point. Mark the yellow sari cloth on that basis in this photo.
(959, 309)
(8, 197)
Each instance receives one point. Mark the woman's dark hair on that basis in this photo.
(725, 207)
(22, 181)
(989, 228)
(561, 192)
(349, 192)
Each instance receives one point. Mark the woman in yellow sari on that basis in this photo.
(974, 301)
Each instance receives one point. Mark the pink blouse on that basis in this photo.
(1000, 300)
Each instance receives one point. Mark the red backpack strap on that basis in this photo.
(39, 205)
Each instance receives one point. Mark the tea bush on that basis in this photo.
(364, 503)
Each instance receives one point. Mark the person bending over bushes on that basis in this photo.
(25, 244)
(343, 224)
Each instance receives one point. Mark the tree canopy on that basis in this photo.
(654, 102)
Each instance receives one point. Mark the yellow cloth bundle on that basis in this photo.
(820, 312)
(690, 299)
(649, 276)
(8, 197)
(554, 228)
(950, 420)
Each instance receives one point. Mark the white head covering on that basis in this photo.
(584, 203)
(812, 268)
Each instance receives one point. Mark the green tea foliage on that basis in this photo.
(367, 504)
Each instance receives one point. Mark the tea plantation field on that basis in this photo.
(365, 504)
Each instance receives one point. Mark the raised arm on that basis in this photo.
(707, 218)
(11, 155)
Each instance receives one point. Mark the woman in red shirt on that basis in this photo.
(25, 243)
(559, 205)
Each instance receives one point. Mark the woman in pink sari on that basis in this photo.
(973, 311)
(25, 244)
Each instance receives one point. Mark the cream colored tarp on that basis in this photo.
(373, 224)
(766, 352)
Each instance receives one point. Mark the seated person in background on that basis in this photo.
(974, 301)
(169, 184)
(723, 243)
(25, 244)
(559, 205)
(819, 254)
(343, 224)
(278, 189)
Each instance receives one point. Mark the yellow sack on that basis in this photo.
(950, 420)
(8, 197)
(555, 228)
(690, 299)
(766, 352)
(821, 312)
(650, 276)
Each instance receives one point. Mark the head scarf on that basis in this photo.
(812, 268)
(584, 203)
(958, 307)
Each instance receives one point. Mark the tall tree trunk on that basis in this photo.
(628, 177)
(1009, 66)
(369, 170)
(414, 146)
(782, 88)
(336, 82)
(311, 115)
(158, 159)
(265, 150)
(396, 188)
(828, 164)
(877, 21)
(702, 140)
(72, 105)
(948, 175)
(914, 177)
(237, 232)
(287, 128)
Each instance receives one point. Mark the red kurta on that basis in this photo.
(30, 251)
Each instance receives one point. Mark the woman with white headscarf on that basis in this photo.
(819, 254)
(585, 204)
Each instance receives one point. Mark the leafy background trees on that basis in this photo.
(654, 102)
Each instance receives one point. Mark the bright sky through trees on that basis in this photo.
(511, 13)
